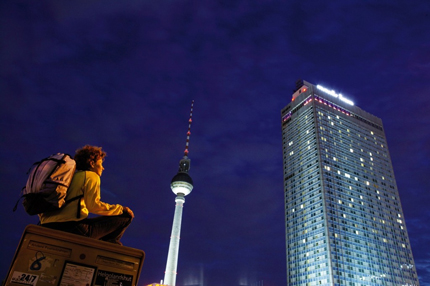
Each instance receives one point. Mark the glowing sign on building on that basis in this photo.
(334, 94)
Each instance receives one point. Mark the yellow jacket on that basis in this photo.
(87, 182)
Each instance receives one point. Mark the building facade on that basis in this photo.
(343, 217)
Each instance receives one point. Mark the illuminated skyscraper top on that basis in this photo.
(343, 219)
(181, 186)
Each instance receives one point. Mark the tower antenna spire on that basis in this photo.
(189, 130)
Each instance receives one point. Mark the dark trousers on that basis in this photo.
(106, 228)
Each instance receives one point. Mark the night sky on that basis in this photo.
(122, 75)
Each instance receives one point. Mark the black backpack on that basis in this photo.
(47, 184)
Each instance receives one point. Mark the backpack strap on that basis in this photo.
(78, 212)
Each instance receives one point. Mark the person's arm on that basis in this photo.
(92, 198)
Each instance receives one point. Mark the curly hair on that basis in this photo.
(87, 154)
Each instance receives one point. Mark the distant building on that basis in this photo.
(343, 218)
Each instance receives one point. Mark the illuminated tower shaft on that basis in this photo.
(181, 185)
(172, 257)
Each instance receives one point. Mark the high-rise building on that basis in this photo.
(344, 221)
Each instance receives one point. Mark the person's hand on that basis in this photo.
(128, 211)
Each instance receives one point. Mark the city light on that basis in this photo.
(334, 94)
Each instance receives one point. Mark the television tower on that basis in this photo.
(181, 185)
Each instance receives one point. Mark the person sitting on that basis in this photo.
(112, 221)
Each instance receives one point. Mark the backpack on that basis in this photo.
(47, 184)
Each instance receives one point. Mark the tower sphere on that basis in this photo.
(181, 184)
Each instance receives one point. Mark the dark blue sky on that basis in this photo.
(122, 75)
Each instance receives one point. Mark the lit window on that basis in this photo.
(367, 183)
(347, 175)
(351, 150)
(371, 132)
(291, 143)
